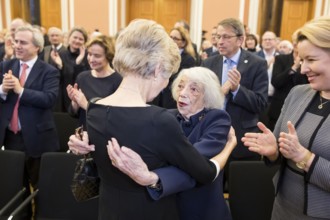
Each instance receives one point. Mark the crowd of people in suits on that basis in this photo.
(128, 76)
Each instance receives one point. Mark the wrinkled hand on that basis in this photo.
(78, 146)
(234, 77)
(130, 163)
(290, 146)
(262, 143)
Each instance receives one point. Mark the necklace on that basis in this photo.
(322, 103)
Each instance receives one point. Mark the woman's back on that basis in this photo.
(156, 136)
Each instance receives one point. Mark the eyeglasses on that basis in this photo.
(226, 37)
(175, 39)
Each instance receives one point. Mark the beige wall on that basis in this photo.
(92, 14)
(215, 10)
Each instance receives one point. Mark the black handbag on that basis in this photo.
(86, 181)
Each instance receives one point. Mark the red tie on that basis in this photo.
(14, 118)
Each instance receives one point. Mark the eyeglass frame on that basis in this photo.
(226, 37)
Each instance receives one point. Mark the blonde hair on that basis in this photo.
(317, 31)
(213, 95)
(188, 48)
(144, 46)
(80, 30)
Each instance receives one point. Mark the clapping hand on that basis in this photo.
(234, 77)
(262, 143)
(290, 146)
(11, 82)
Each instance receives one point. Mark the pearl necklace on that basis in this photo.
(322, 103)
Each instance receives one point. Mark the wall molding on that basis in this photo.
(253, 16)
(8, 12)
(64, 15)
(196, 18)
(113, 17)
(71, 15)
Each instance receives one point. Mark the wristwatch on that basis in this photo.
(302, 164)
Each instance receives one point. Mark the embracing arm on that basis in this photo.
(173, 180)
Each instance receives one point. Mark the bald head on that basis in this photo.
(17, 22)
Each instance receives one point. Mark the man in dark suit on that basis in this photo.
(268, 52)
(28, 90)
(286, 75)
(50, 55)
(244, 80)
(55, 36)
(211, 50)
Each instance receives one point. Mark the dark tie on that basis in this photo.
(14, 118)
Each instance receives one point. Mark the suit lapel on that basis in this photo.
(302, 106)
(243, 61)
(16, 68)
(33, 73)
(218, 66)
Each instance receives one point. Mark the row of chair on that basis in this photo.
(251, 190)
(65, 125)
(54, 199)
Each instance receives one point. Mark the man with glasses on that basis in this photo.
(244, 80)
(268, 52)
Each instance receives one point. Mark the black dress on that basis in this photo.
(155, 135)
(69, 73)
(95, 87)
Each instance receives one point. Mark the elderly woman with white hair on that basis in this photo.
(146, 57)
(199, 102)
